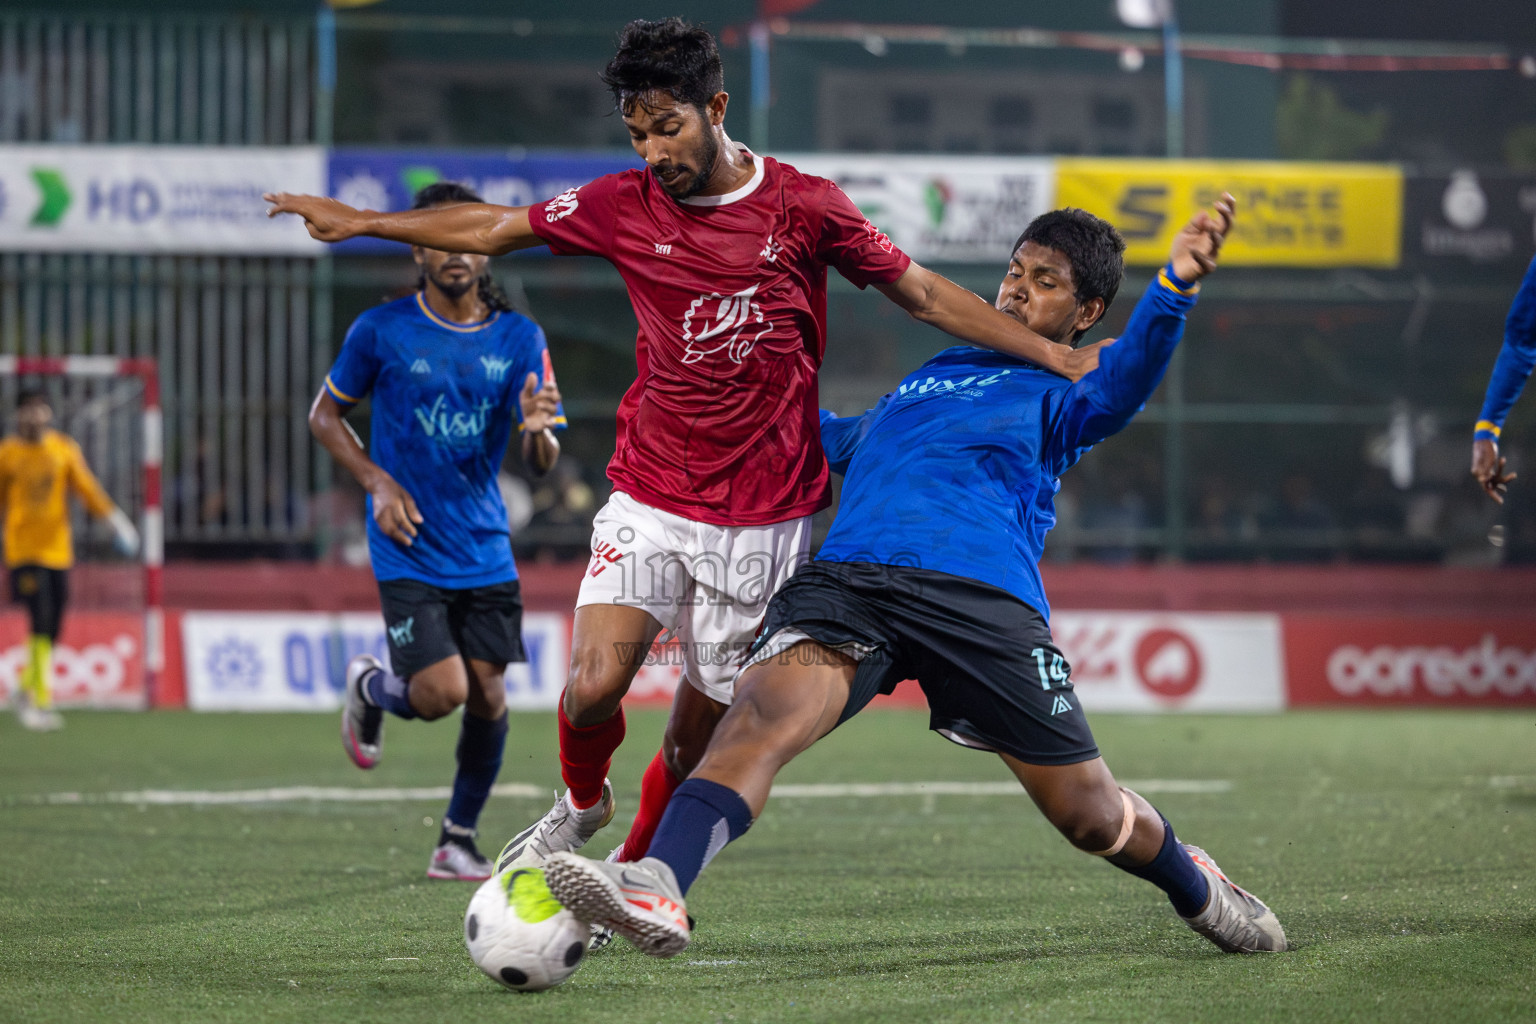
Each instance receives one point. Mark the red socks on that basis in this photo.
(656, 789)
(585, 755)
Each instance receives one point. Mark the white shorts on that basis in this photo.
(707, 585)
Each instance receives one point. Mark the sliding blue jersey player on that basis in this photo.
(930, 573)
(1510, 373)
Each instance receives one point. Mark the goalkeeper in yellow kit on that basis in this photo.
(38, 469)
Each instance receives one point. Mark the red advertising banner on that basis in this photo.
(98, 661)
(1378, 661)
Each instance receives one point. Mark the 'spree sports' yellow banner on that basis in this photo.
(1288, 214)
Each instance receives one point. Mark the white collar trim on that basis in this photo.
(739, 194)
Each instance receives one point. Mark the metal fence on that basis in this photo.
(237, 339)
(208, 81)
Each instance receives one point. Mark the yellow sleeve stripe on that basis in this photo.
(1167, 282)
(1489, 427)
(341, 395)
(559, 422)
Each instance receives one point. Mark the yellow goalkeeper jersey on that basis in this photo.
(35, 481)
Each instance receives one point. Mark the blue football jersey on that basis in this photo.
(445, 399)
(1516, 358)
(956, 471)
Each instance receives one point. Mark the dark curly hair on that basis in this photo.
(668, 56)
(1092, 246)
(446, 193)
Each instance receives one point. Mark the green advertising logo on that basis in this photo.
(418, 178)
(56, 197)
(936, 197)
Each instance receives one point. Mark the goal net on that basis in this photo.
(112, 647)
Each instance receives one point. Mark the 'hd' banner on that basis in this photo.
(155, 199)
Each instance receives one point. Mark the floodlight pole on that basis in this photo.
(1173, 84)
(325, 74)
(758, 36)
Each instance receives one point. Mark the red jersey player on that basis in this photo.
(718, 463)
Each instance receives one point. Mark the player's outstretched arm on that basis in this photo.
(393, 507)
(1133, 366)
(936, 300)
(467, 227)
(1510, 372)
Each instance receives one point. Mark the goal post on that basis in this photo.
(100, 407)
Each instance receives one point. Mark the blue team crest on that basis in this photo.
(495, 368)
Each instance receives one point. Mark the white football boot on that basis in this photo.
(640, 900)
(39, 719)
(459, 862)
(34, 718)
(602, 935)
(1235, 920)
(563, 829)
(362, 724)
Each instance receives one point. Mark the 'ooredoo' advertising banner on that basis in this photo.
(98, 661)
(280, 661)
(1404, 660)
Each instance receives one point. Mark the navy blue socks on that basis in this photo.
(480, 746)
(701, 818)
(389, 692)
(1175, 873)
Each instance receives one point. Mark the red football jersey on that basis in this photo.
(721, 425)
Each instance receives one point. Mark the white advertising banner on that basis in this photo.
(1133, 661)
(956, 209)
(296, 661)
(155, 199)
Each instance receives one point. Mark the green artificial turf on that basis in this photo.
(1399, 850)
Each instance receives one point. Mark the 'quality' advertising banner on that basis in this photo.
(296, 661)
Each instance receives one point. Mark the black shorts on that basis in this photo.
(985, 660)
(425, 624)
(44, 591)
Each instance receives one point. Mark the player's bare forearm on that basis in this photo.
(541, 450)
(393, 507)
(466, 227)
(939, 302)
(327, 421)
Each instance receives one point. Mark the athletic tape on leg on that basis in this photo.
(1126, 828)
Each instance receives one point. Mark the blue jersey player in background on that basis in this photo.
(451, 369)
(1510, 373)
(930, 572)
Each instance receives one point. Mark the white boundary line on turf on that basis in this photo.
(383, 794)
(842, 789)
